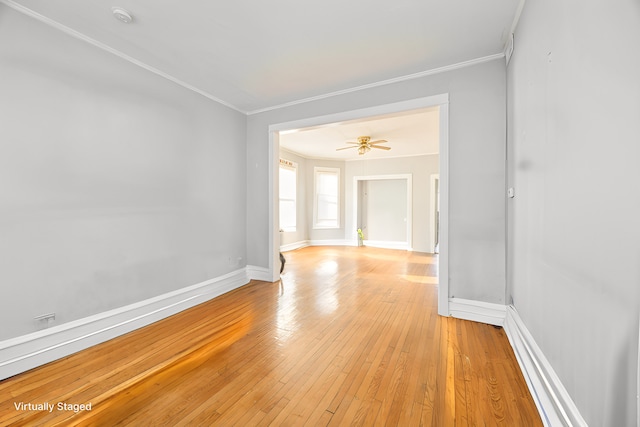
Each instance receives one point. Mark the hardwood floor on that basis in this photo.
(350, 336)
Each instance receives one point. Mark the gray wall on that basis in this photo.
(384, 205)
(574, 233)
(117, 185)
(477, 168)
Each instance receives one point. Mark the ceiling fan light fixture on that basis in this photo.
(122, 15)
(364, 145)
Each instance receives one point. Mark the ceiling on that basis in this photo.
(256, 55)
(408, 134)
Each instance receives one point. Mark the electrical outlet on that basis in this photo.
(45, 320)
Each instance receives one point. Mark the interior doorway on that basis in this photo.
(438, 101)
(383, 210)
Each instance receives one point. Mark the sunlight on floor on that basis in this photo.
(420, 279)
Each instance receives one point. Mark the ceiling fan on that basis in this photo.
(364, 145)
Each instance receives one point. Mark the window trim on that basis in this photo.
(293, 166)
(316, 171)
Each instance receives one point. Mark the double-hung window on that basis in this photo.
(326, 202)
(288, 188)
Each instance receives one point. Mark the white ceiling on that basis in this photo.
(408, 134)
(254, 55)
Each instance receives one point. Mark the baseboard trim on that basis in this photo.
(477, 311)
(259, 273)
(333, 242)
(293, 246)
(29, 351)
(387, 245)
(554, 404)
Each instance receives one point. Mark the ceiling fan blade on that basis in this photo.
(381, 147)
(380, 141)
(345, 148)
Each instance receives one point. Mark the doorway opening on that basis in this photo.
(383, 210)
(441, 102)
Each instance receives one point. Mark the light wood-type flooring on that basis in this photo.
(350, 336)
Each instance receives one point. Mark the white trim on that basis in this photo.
(441, 101)
(409, 230)
(333, 242)
(294, 168)
(273, 225)
(293, 246)
(362, 113)
(443, 245)
(553, 401)
(327, 170)
(26, 11)
(516, 17)
(73, 33)
(432, 211)
(384, 82)
(261, 273)
(29, 351)
(477, 311)
(388, 245)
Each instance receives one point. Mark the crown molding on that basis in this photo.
(516, 17)
(384, 82)
(57, 25)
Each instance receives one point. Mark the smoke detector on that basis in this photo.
(122, 15)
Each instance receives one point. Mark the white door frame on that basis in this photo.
(432, 211)
(408, 178)
(441, 101)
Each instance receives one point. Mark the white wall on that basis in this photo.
(574, 233)
(420, 168)
(116, 185)
(477, 169)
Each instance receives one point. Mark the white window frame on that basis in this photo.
(316, 171)
(288, 164)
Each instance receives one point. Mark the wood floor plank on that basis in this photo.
(349, 336)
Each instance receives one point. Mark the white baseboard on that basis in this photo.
(554, 403)
(259, 273)
(29, 351)
(478, 311)
(387, 245)
(333, 242)
(294, 246)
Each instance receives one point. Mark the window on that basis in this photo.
(326, 207)
(288, 185)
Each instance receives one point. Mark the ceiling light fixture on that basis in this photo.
(364, 145)
(122, 15)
